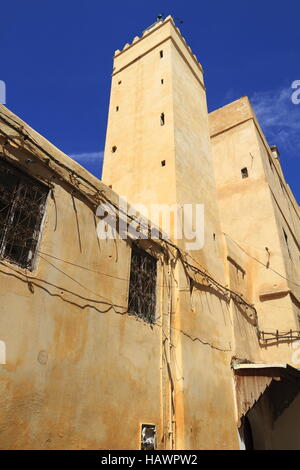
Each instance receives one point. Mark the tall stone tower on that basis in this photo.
(158, 151)
(158, 145)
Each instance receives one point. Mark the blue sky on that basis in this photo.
(56, 60)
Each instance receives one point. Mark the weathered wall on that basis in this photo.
(80, 372)
(205, 393)
(254, 211)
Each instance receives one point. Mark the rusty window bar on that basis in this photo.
(142, 285)
(22, 206)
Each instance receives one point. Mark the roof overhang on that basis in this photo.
(280, 383)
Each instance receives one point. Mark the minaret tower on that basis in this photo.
(158, 151)
(157, 145)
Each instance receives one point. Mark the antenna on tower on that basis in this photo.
(159, 18)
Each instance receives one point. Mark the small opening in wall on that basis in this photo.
(114, 149)
(162, 119)
(163, 163)
(244, 172)
(148, 437)
(161, 54)
(117, 108)
(287, 242)
(119, 82)
(162, 81)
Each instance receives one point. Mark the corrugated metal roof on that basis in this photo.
(252, 380)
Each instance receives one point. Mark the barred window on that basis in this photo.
(22, 206)
(142, 285)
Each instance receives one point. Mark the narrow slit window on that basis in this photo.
(162, 81)
(119, 82)
(287, 243)
(142, 285)
(114, 149)
(244, 172)
(163, 163)
(161, 54)
(117, 108)
(162, 119)
(22, 207)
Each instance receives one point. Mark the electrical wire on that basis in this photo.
(260, 262)
(100, 193)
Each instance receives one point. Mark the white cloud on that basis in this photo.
(279, 118)
(87, 157)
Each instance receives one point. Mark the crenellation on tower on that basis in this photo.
(157, 124)
(156, 26)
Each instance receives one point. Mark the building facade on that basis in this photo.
(118, 339)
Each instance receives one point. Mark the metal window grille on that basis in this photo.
(142, 285)
(22, 206)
